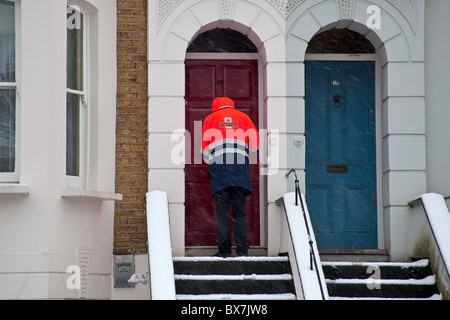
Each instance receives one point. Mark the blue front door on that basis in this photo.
(341, 153)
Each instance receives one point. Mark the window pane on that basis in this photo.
(340, 41)
(75, 50)
(7, 42)
(222, 40)
(73, 135)
(7, 130)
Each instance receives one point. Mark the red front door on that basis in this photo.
(206, 80)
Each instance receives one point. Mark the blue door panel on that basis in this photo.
(318, 119)
(321, 199)
(356, 208)
(341, 153)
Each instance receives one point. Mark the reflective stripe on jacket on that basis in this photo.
(228, 137)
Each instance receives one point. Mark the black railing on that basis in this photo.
(312, 253)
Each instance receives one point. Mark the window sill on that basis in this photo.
(91, 194)
(14, 188)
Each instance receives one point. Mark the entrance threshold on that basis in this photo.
(355, 255)
(202, 251)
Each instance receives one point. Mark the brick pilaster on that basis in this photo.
(130, 228)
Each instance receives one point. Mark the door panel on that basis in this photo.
(205, 75)
(241, 90)
(356, 208)
(206, 80)
(318, 152)
(320, 198)
(341, 153)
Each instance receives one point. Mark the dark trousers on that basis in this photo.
(237, 197)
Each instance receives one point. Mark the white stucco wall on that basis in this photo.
(43, 232)
(437, 84)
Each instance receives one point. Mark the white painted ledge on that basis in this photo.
(91, 194)
(14, 188)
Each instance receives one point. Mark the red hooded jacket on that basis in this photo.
(228, 137)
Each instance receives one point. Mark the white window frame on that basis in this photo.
(14, 177)
(80, 181)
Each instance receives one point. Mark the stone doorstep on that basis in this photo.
(354, 255)
(203, 251)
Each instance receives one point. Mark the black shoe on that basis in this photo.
(242, 253)
(222, 255)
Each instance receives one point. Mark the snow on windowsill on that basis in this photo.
(91, 194)
(14, 188)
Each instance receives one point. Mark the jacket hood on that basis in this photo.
(222, 102)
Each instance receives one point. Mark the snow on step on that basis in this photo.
(280, 296)
(397, 280)
(433, 297)
(430, 280)
(234, 278)
(220, 277)
(418, 263)
(219, 259)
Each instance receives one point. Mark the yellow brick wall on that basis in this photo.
(130, 228)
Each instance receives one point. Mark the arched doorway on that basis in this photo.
(230, 68)
(340, 132)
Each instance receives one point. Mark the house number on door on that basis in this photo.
(335, 82)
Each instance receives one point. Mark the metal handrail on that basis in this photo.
(312, 254)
